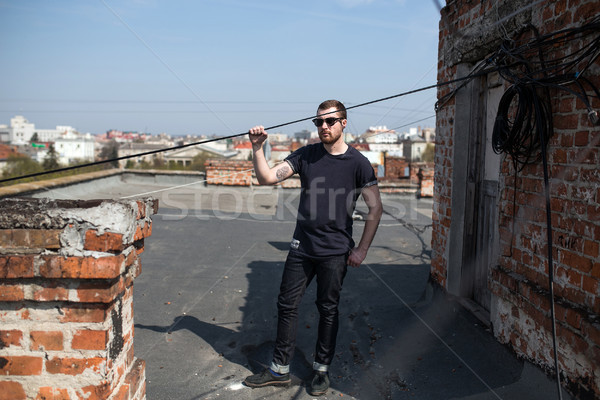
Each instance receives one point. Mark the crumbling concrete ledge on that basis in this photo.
(66, 302)
(24, 189)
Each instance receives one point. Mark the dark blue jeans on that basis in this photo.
(297, 275)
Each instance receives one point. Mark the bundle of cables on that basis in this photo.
(532, 76)
(531, 123)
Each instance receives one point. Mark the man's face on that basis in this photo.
(331, 133)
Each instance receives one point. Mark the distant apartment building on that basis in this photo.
(409, 145)
(427, 134)
(131, 148)
(278, 137)
(381, 134)
(69, 144)
(163, 139)
(186, 155)
(125, 136)
(61, 131)
(73, 147)
(390, 148)
(70, 150)
(20, 130)
(413, 149)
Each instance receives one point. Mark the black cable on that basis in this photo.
(529, 131)
(550, 249)
(112, 159)
(560, 72)
(547, 124)
(222, 137)
(514, 136)
(477, 71)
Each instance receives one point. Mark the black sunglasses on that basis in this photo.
(330, 121)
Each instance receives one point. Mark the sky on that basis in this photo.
(216, 67)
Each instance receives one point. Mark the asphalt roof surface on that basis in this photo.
(205, 305)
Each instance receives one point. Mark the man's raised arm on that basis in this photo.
(265, 174)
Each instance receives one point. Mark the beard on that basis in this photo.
(332, 137)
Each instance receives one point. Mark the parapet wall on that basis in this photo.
(66, 305)
(229, 172)
(238, 173)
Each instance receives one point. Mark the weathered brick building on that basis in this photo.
(490, 237)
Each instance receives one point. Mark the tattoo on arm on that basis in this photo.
(282, 172)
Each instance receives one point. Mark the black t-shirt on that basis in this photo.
(331, 185)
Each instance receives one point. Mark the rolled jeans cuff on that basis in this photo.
(320, 367)
(280, 369)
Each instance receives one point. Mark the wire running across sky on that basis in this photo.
(490, 64)
(64, 169)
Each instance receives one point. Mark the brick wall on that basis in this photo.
(238, 173)
(425, 174)
(66, 306)
(229, 172)
(241, 173)
(442, 183)
(426, 168)
(395, 167)
(520, 312)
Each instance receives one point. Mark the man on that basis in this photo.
(332, 175)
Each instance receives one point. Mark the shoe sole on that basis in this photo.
(276, 383)
(317, 393)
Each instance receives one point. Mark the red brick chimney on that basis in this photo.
(66, 305)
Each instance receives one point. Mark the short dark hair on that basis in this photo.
(333, 104)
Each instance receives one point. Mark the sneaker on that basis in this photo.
(319, 384)
(267, 378)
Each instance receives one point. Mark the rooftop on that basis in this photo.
(7, 151)
(205, 310)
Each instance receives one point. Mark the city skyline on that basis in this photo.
(370, 131)
(216, 68)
